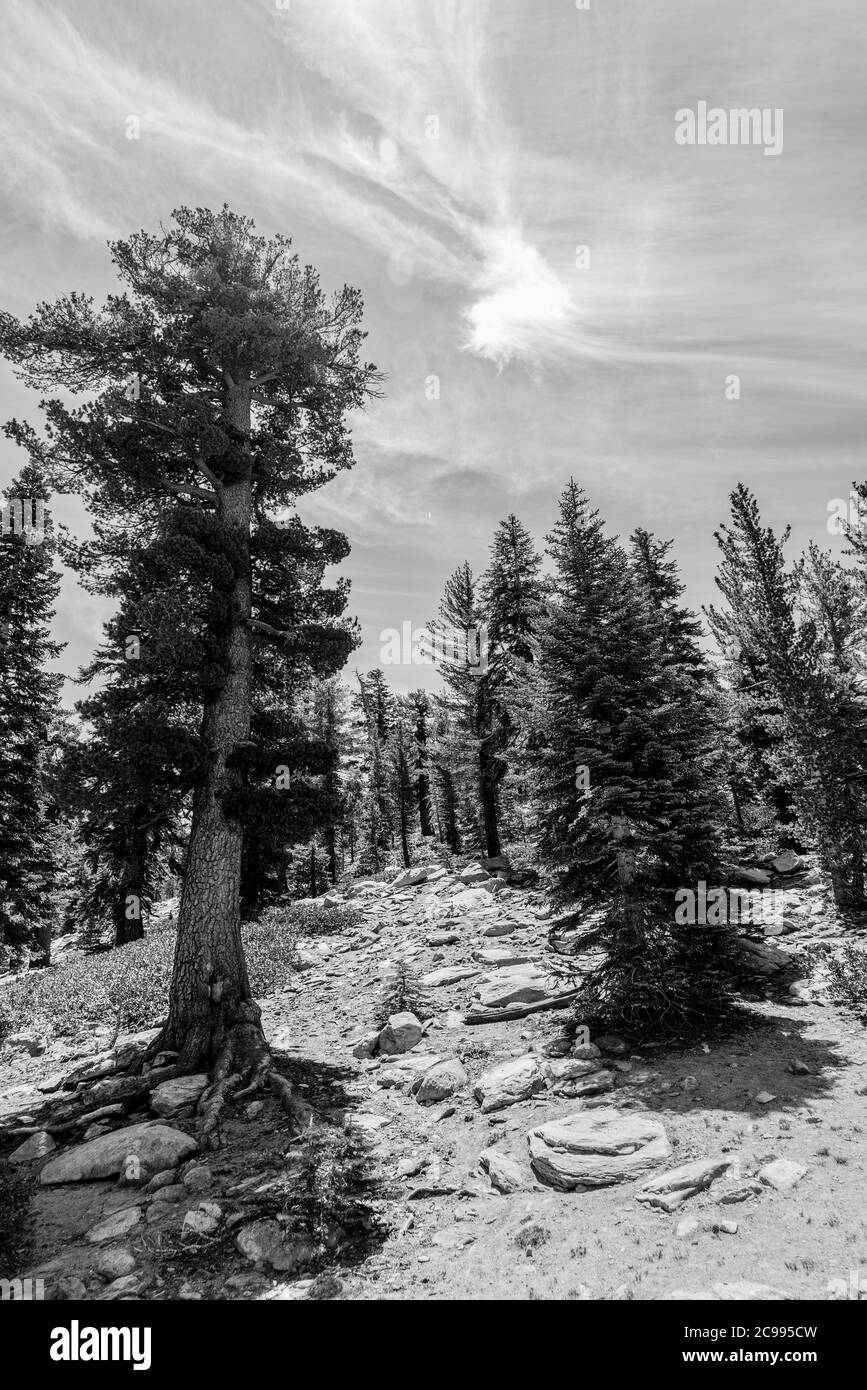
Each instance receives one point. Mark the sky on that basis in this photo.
(554, 286)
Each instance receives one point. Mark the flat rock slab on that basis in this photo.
(515, 984)
(500, 956)
(576, 1076)
(155, 1147)
(449, 975)
(596, 1148)
(509, 1083)
(670, 1190)
(115, 1226)
(37, 1146)
(444, 938)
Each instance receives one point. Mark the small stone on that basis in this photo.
(509, 1083)
(613, 1045)
(115, 1226)
(366, 1046)
(782, 1174)
(799, 1068)
(202, 1220)
(188, 1293)
(197, 1178)
(115, 1262)
(764, 1098)
(159, 1180)
(254, 1109)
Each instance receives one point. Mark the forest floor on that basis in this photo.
(386, 1198)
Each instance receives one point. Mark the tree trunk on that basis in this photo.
(489, 815)
(212, 1018)
(128, 923)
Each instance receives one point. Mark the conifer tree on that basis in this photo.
(628, 807)
(242, 376)
(803, 629)
(29, 694)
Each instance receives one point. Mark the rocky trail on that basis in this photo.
(468, 1147)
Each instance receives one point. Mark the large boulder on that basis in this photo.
(153, 1146)
(171, 1096)
(596, 1148)
(761, 958)
(509, 1083)
(474, 873)
(440, 1082)
(401, 1033)
(410, 877)
(786, 863)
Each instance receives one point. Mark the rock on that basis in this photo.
(127, 1286)
(440, 1082)
(68, 1288)
(519, 984)
(741, 874)
(411, 1167)
(115, 1226)
(558, 1046)
(576, 1076)
(499, 956)
(613, 1045)
(497, 863)
(786, 863)
(448, 975)
(474, 873)
(505, 1173)
(171, 1195)
(761, 958)
(509, 1083)
(494, 929)
(254, 1109)
(799, 1068)
(263, 1242)
(198, 1177)
(671, 1189)
(34, 1043)
(443, 938)
(202, 1220)
(782, 1174)
(153, 1146)
(471, 899)
(400, 1034)
(159, 1180)
(366, 1046)
(409, 878)
(742, 1192)
(35, 1146)
(171, 1096)
(764, 1097)
(597, 1147)
(115, 1262)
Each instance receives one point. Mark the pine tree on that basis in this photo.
(460, 639)
(28, 701)
(511, 593)
(243, 375)
(802, 629)
(420, 707)
(625, 791)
